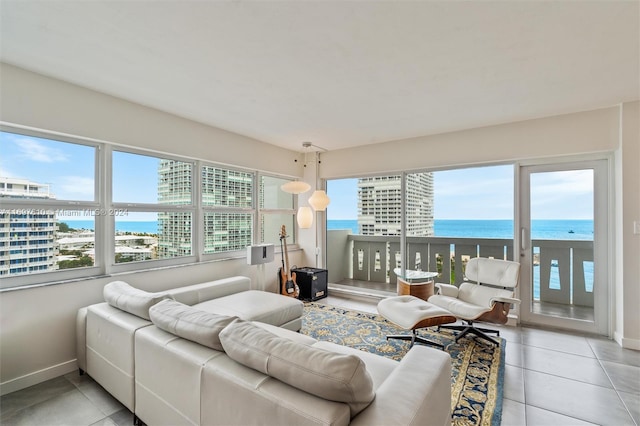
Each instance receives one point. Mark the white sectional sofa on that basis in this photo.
(187, 364)
(105, 334)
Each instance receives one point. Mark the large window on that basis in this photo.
(227, 198)
(153, 196)
(64, 215)
(143, 230)
(48, 207)
(471, 202)
(443, 218)
(37, 169)
(276, 209)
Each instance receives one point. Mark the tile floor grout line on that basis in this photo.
(617, 391)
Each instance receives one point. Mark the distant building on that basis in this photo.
(379, 205)
(87, 240)
(227, 188)
(27, 236)
(174, 228)
(220, 188)
(126, 254)
(76, 243)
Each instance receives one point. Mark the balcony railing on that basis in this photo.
(563, 269)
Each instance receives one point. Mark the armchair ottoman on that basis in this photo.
(412, 313)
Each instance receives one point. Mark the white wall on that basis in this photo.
(627, 203)
(580, 133)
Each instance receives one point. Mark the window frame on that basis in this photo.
(114, 267)
(208, 209)
(262, 212)
(104, 232)
(97, 269)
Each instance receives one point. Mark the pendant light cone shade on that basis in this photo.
(305, 217)
(296, 187)
(319, 200)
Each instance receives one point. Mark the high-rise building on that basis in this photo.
(174, 228)
(379, 205)
(224, 231)
(227, 231)
(27, 236)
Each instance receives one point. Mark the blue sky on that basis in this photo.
(473, 193)
(132, 173)
(68, 171)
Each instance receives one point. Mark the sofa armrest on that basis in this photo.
(417, 392)
(447, 289)
(197, 293)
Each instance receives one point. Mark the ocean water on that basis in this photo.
(121, 226)
(541, 229)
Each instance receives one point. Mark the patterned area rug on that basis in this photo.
(477, 368)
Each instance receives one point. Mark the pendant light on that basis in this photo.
(319, 199)
(304, 217)
(296, 187)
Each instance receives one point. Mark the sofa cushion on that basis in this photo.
(189, 323)
(329, 375)
(130, 299)
(256, 305)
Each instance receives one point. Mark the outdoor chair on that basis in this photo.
(486, 295)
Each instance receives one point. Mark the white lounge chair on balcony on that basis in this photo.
(486, 295)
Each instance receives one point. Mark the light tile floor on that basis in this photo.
(551, 378)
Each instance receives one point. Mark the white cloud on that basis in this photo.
(471, 187)
(37, 151)
(6, 173)
(571, 182)
(74, 185)
(562, 195)
(476, 193)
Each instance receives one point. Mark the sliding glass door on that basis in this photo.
(425, 221)
(563, 245)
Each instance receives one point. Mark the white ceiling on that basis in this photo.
(336, 73)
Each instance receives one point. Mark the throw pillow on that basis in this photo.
(190, 323)
(329, 375)
(130, 299)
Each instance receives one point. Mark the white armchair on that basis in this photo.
(485, 296)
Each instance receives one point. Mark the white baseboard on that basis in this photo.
(626, 343)
(37, 377)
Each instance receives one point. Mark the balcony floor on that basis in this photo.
(378, 289)
(563, 311)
